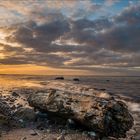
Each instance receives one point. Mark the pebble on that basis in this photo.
(92, 134)
(33, 132)
(19, 105)
(131, 132)
(48, 130)
(84, 133)
(70, 123)
(12, 100)
(13, 107)
(15, 94)
(24, 138)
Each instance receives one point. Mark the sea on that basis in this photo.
(128, 86)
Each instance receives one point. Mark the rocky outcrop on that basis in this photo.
(103, 115)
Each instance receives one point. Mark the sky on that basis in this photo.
(70, 37)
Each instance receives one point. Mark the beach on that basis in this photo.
(15, 89)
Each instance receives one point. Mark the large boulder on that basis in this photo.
(103, 115)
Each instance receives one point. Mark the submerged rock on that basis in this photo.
(102, 115)
(59, 78)
(76, 79)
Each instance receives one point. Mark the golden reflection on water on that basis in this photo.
(10, 82)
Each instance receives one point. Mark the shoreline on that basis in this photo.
(23, 93)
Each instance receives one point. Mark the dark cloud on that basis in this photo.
(130, 16)
(40, 37)
(124, 36)
(105, 42)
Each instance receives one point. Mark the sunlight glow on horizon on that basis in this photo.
(39, 70)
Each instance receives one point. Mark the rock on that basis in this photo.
(103, 89)
(131, 132)
(59, 78)
(19, 105)
(13, 107)
(5, 109)
(92, 134)
(41, 115)
(26, 114)
(6, 99)
(21, 121)
(15, 94)
(4, 119)
(105, 116)
(76, 79)
(24, 138)
(61, 137)
(70, 123)
(137, 137)
(41, 125)
(12, 100)
(33, 132)
(48, 130)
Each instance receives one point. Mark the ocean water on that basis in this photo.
(125, 86)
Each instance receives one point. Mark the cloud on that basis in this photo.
(56, 37)
(40, 37)
(111, 2)
(15, 11)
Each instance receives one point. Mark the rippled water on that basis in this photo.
(127, 86)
